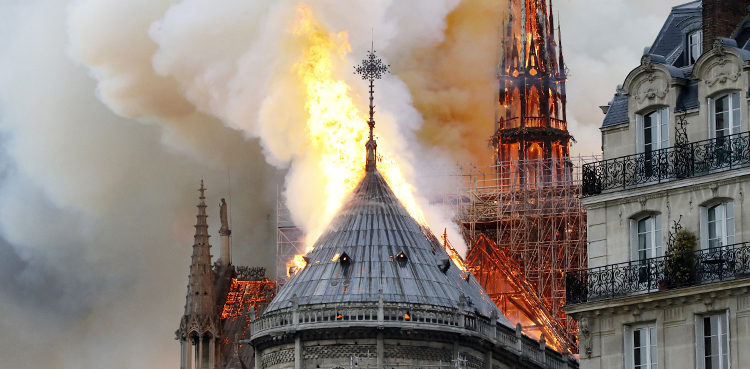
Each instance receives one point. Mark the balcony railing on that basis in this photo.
(690, 160)
(643, 276)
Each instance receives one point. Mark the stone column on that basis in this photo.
(519, 338)
(297, 352)
(189, 354)
(184, 353)
(212, 353)
(226, 253)
(381, 351)
(258, 361)
(488, 359)
(199, 353)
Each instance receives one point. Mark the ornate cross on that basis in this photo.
(371, 69)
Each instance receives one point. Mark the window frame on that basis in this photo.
(735, 122)
(692, 58)
(656, 234)
(700, 338)
(728, 221)
(660, 130)
(652, 356)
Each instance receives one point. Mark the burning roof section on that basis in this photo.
(375, 251)
(374, 245)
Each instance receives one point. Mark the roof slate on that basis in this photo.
(688, 97)
(618, 111)
(372, 228)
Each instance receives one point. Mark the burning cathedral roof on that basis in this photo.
(374, 245)
(373, 248)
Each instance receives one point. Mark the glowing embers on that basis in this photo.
(243, 295)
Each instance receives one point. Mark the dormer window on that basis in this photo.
(695, 46)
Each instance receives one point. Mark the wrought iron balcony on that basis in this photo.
(687, 160)
(643, 276)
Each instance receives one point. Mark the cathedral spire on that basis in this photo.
(532, 122)
(201, 294)
(371, 69)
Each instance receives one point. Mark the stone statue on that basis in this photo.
(583, 327)
(223, 215)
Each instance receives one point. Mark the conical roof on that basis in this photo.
(373, 244)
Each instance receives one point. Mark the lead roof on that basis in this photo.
(373, 228)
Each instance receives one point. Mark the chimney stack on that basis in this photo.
(720, 19)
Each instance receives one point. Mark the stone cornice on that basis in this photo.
(638, 303)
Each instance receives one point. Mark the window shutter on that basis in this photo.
(699, 342)
(664, 129)
(659, 238)
(703, 215)
(730, 222)
(639, 133)
(633, 239)
(627, 333)
(735, 113)
(711, 119)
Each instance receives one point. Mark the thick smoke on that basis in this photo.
(111, 112)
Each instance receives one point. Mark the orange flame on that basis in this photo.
(337, 131)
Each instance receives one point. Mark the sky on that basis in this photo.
(112, 111)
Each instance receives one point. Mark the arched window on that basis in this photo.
(717, 225)
(646, 237)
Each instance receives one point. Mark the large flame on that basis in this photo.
(337, 130)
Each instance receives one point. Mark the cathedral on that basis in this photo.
(379, 290)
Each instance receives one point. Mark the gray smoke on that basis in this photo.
(112, 111)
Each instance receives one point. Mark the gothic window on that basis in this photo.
(695, 46)
(641, 347)
(646, 237)
(724, 116)
(717, 225)
(712, 348)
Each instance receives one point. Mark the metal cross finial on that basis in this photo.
(371, 69)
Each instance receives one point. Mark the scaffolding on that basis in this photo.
(289, 240)
(525, 227)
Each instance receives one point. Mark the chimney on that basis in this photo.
(720, 19)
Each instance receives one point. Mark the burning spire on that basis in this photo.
(532, 119)
(371, 69)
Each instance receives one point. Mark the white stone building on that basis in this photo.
(676, 150)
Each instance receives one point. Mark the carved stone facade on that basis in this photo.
(674, 142)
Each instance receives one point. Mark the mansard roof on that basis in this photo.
(617, 112)
(671, 36)
(667, 51)
(374, 245)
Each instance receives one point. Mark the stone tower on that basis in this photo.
(199, 326)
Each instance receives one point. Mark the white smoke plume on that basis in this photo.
(111, 111)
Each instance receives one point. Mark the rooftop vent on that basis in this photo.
(345, 260)
(445, 265)
(402, 259)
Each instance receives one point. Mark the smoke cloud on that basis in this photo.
(111, 112)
